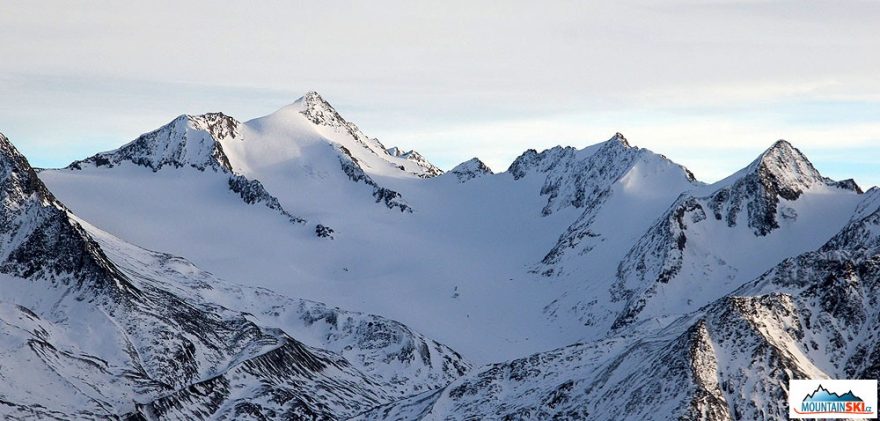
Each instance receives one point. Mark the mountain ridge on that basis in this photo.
(582, 281)
(158, 336)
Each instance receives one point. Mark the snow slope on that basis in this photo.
(582, 280)
(720, 236)
(567, 243)
(376, 251)
(455, 226)
(95, 334)
(811, 316)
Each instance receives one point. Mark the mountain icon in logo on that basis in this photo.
(822, 394)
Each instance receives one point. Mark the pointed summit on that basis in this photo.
(619, 138)
(320, 112)
(313, 97)
(784, 169)
(787, 166)
(470, 169)
(780, 172)
(783, 156)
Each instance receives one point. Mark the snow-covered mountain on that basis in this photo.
(96, 328)
(717, 237)
(581, 281)
(194, 141)
(298, 156)
(470, 169)
(811, 316)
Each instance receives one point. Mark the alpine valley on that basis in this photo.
(292, 267)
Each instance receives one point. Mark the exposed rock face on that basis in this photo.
(352, 168)
(323, 231)
(428, 169)
(188, 141)
(38, 237)
(578, 178)
(320, 112)
(782, 172)
(282, 383)
(589, 183)
(253, 192)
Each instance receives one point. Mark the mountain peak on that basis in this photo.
(620, 138)
(320, 112)
(781, 144)
(471, 169)
(186, 141)
(786, 167)
(780, 172)
(312, 96)
(313, 100)
(782, 150)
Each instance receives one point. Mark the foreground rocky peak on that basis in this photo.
(37, 236)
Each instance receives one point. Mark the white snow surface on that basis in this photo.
(466, 265)
(604, 282)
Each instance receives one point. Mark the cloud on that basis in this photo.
(453, 79)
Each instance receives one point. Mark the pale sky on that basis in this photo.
(710, 84)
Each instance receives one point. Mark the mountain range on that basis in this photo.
(292, 267)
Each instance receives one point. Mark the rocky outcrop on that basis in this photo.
(187, 141)
(470, 169)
